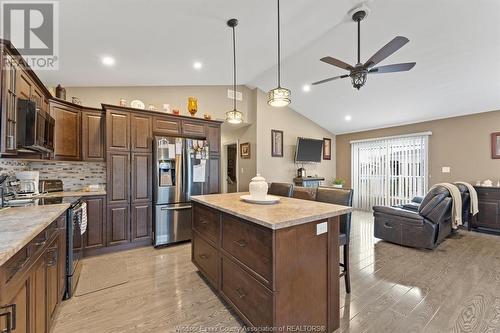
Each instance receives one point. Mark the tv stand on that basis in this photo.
(308, 181)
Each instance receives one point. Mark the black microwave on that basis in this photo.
(35, 128)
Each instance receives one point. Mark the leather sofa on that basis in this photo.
(425, 228)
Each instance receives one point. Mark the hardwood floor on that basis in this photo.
(455, 288)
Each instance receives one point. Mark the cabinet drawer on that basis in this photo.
(163, 125)
(193, 128)
(206, 222)
(251, 298)
(249, 243)
(205, 256)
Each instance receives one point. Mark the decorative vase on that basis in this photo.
(60, 92)
(192, 106)
(258, 188)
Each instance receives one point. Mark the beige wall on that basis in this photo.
(293, 125)
(461, 143)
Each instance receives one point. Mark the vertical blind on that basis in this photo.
(389, 171)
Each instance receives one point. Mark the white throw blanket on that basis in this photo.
(456, 207)
(83, 225)
(474, 205)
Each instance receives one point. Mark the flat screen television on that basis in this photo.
(308, 150)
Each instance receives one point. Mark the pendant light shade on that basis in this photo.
(234, 116)
(279, 97)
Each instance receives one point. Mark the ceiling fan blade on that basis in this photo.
(330, 79)
(391, 47)
(393, 68)
(338, 63)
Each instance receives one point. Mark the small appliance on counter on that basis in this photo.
(27, 183)
(301, 173)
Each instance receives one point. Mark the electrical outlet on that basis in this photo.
(321, 228)
(445, 169)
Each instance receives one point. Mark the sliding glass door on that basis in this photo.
(389, 171)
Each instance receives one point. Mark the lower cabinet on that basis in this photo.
(488, 217)
(95, 236)
(118, 224)
(141, 221)
(33, 290)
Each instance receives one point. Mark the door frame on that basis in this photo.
(224, 165)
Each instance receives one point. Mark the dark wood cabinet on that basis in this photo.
(488, 217)
(67, 134)
(213, 137)
(118, 224)
(118, 130)
(166, 125)
(141, 177)
(118, 177)
(140, 132)
(8, 103)
(93, 136)
(141, 221)
(21, 300)
(40, 295)
(193, 128)
(24, 85)
(52, 271)
(95, 237)
(214, 174)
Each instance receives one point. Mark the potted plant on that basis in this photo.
(338, 183)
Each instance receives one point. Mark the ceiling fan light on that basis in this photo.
(279, 97)
(234, 117)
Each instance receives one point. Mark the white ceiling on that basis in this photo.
(456, 44)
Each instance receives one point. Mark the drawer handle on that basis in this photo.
(241, 293)
(202, 221)
(387, 226)
(9, 311)
(52, 260)
(41, 243)
(203, 256)
(241, 242)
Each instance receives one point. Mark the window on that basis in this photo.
(389, 171)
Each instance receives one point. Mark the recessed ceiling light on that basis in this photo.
(347, 118)
(197, 65)
(306, 88)
(108, 61)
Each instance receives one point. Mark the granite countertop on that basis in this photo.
(73, 194)
(19, 225)
(288, 212)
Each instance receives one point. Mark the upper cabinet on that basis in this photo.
(213, 137)
(117, 130)
(67, 134)
(93, 135)
(141, 134)
(8, 79)
(166, 125)
(194, 128)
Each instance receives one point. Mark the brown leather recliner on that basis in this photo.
(426, 228)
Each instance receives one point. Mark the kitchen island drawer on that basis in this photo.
(206, 222)
(250, 244)
(206, 258)
(249, 296)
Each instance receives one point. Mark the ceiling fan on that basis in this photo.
(359, 72)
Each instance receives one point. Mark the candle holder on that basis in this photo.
(192, 106)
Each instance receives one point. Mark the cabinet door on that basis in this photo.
(118, 224)
(489, 213)
(21, 302)
(52, 259)
(214, 175)
(193, 128)
(141, 221)
(213, 137)
(66, 132)
(9, 104)
(24, 85)
(37, 97)
(92, 136)
(141, 177)
(140, 130)
(62, 257)
(117, 130)
(95, 236)
(39, 308)
(166, 125)
(118, 177)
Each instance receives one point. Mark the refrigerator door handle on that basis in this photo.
(176, 208)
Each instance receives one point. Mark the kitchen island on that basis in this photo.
(276, 265)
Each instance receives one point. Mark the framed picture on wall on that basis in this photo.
(495, 145)
(327, 149)
(245, 150)
(276, 143)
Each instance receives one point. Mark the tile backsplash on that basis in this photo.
(75, 175)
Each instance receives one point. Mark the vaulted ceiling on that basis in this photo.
(456, 44)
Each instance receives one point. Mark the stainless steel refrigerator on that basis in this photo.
(180, 171)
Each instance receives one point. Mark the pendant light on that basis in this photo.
(279, 97)
(234, 116)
